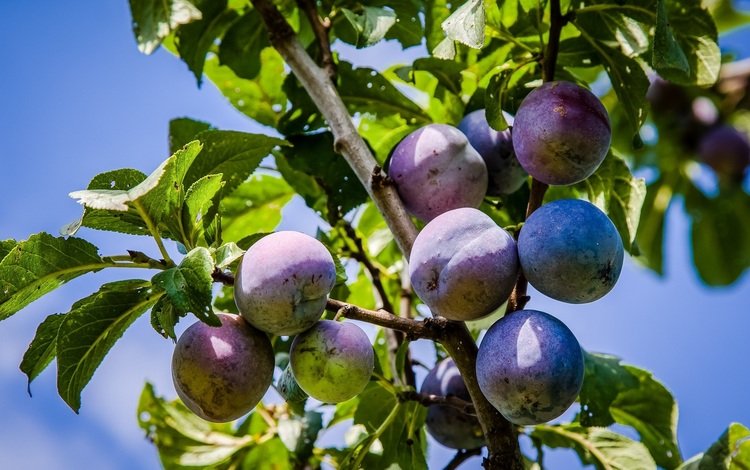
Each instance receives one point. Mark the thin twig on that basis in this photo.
(320, 28)
(427, 399)
(461, 457)
(414, 329)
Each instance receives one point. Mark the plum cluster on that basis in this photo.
(463, 266)
(281, 288)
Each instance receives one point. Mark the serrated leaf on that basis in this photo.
(194, 40)
(42, 349)
(368, 27)
(242, 44)
(189, 285)
(466, 24)
(730, 452)
(627, 395)
(186, 441)
(255, 206)
(605, 449)
(200, 210)
(183, 130)
(92, 327)
(41, 264)
(153, 20)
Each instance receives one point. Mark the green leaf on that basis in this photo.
(667, 55)
(91, 328)
(447, 72)
(186, 441)
(242, 45)
(650, 235)
(436, 11)
(194, 40)
(42, 349)
(368, 27)
(255, 206)
(624, 25)
(627, 395)
(189, 285)
(408, 29)
(730, 452)
(615, 191)
(261, 99)
(271, 455)
(164, 317)
(153, 20)
(40, 265)
(597, 446)
(6, 246)
(233, 154)
(200, 210)
(183, 130)
(298, 433)
(227, 255)
(695, 33)
(466, 24)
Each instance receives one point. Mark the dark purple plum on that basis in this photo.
(726, 150)
(332, 361)
(570, 251)
(530, 367)
(447, 424)
(436, 170)
(462, 265)
(561, 133)
(221, 373)
(283, 282)
(668, 99)
(496, 148)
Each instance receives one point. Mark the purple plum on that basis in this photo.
(447, 424)
(436, 170)
(530, 367)
(726, 150)
(221, 373)
(496, 148)
(283, 282)
(561, 133)
(332, 361)
(570, 251)
(462, 265)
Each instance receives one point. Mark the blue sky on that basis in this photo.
(77, 98)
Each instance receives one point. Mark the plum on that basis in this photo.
(221, 373)
(462, 265)
(505, 174)
(530, 367)
(570, 251)
(283, 281)
(726, 150)
(436, 170)
(561, 133)
(448, 425)
(332, 361)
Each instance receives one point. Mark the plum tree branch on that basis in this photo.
(429, 328)
(320, 28)
(427, 399)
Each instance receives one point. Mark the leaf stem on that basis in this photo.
(154, 232)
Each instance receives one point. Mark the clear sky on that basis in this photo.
(77, 98)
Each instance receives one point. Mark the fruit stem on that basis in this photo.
(556, 22)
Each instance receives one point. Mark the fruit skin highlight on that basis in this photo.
(283, 281)
(332, 361)
(221, 373)
(530, 367)
(569, 250)
(561, 133)
(505, 174)
(447, 424)
(462, 265)
(436, 170)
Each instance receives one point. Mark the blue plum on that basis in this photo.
(221, 373)
(462, 265)
(436, 170)
(448, 425)
(530, 367)
(496, 148)
(561, 133)
(283, 282)
(332, 361)
(570, 251)
(726, 150)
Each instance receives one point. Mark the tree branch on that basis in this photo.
(426, 399)
(347, 140)
(430, 328)
(320, 28)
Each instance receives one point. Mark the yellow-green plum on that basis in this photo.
(561, 133)
(447, 424)
(221, 373)
(570, 251)
(462, 265)
(505, 174)
(530, 367)
(332, 361)
(283, 281)
(436, 170)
